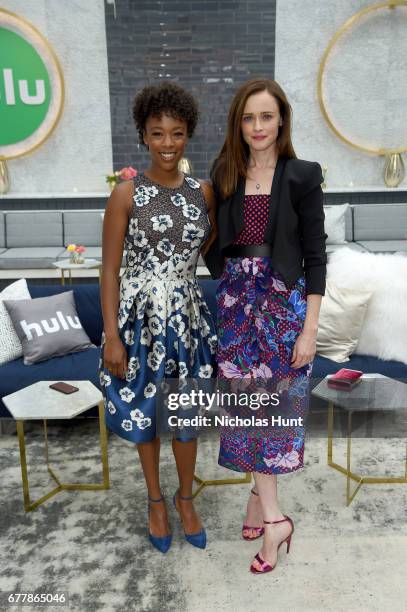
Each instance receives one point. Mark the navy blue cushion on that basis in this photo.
(87, 299)
(394, 369)
(209, 293)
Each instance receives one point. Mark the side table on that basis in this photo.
(38, 401)
(375, 392)
(64, 265)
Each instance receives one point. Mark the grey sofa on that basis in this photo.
(377, 228)
(34, 239)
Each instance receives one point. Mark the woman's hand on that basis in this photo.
(208, 243)
(115, 357)
(304, 349)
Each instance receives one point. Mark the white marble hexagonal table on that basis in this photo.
(38, 401)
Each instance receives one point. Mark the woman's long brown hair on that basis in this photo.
(234, 155)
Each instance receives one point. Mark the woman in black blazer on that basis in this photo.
(270, 256)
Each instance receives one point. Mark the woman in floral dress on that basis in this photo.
(156, 323)
(270, 254)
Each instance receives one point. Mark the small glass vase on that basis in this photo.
(76, 258)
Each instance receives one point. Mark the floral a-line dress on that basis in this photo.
(163, 320)
(259, 319)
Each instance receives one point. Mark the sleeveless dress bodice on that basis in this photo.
(163, 319)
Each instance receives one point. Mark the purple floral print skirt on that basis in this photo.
(259, 319)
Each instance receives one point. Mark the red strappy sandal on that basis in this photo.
(266, 567)
(259, 530)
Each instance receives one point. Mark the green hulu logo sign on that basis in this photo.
(25, 88)
(25, 97)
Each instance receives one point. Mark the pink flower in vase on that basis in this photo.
(127, 173)
(76, 254)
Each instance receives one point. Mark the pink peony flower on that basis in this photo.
(246, 262)
(128, 173)
(269, 461)
(289, 460)
(80, 249)
(279, 285)
(229, 300)
(262, 372)
(229, 370)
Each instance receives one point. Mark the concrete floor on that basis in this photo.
(93, 545)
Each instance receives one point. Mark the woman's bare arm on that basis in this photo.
(211, 206)
(114, 230)
(305, 345)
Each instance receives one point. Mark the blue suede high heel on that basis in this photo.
(160, 543)
(196, 539)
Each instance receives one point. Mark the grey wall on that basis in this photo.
(209, 47)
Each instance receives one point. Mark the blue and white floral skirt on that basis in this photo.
(168, 332)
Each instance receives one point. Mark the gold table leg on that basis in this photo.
(360, 480)
(219, 482)
(349, 496)
(62, 277)
(61, 486)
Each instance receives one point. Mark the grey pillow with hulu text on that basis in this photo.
(48, 326)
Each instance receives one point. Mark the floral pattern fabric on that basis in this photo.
(163, 320)
(259, 320)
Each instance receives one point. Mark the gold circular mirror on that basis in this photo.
(362, 84)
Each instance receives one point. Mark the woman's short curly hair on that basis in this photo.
(168, 98)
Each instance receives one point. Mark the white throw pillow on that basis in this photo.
(335, 223)
(10, 345)
(384, 330)
(340, 321)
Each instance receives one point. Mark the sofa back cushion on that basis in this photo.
(34, 228)
(380, 222)
(2, 231)
(349, 223)
(83, 227)
(87, 300)
(338, 223)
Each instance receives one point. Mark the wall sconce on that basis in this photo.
(185, 165)
(114, 6)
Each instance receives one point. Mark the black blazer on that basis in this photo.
(295, 227)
